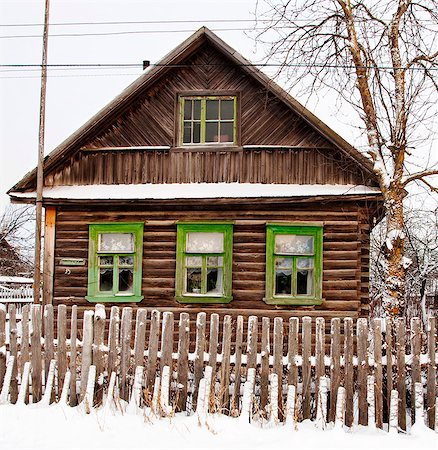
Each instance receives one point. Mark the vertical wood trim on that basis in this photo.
(49, 254)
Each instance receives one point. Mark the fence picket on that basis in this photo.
(431, 372)
(183, 359)
(292, 352)
(212, 352)
(415, 363)
(306, 367)
(2, 344)
(13, 349)
(125, 356)
(37, 364)
(49, 335)
(264, 366)
(98, 357)
(362, 369)
(61, 351)
(24, 346)
(152, 351)
(237, 365)
(73, 355)
(378, 371)
(224, 397)
(199, 355)
(113, 339)
(349, 371)
(335, 367)
(401, 372)
(87, 348)
(140, 337)
(319, 354)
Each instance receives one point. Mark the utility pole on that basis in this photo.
(40, 170)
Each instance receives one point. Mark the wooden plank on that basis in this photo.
(378, 372)
(251, 346)
(61, 352)
(306, 366)
(25, 342)
(224, 397)
(87, 350)
(199, 355)
(264, 369)
(278, 361)
(49, 254)
(362, 369)
(183, 360)
(431, 372)
(36, 354)
(319, 354)
(389, 364)
(113, 340)
(2, 344)
(415, 364)
(235, 406)
(349, 371)
(292, 352)
(167, 341)
(152, 351)
(335, 366)
(13, 350)
(401, 372)
(125, 352)
(49, 335)
(98, 353)
(73, 355)
(212, 351)
(140, 337)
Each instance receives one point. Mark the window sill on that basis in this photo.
(115, 298)
(202, 299)
(296, 301)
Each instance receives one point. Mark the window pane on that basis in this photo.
(292, 244)
(106, 280)
(199, 242)
(227, 109)
(283, 282)
(212, 109)
(116, 242)
(215, 261)
(196, 132)
(226, 132)
(304, 263)
(304, 282)
(187, 138)
(126, 280)
(211, 132)
(214, 281)
(194, 261)
(105, 261)
(126, 260)
(187, 109)
(193, 281)
(197, 109)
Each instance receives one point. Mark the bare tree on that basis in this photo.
(381, 58)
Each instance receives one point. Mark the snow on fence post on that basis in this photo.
(110, 395)
(50, 377)
(393, 412)
(65, 388)
(98, 350)
(273, 398)
(24, 388)
(248, 392)
(321, 406)
(89, 392)
(87, 347)
(202, 403)
(165, 407)
(306, 367)
(419, 405)
(134, 404)
(431, 372)
(36, 354)
(155, 404)
(7, 381)
(2, 343)
(378, 371)
(290, 407)
(371, 402)
(340, 408)
(183, 360)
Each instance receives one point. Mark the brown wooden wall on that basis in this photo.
(345, 254)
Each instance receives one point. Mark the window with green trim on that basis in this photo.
(208, 120)
(293, 264)
(114, 262)
(204, 262)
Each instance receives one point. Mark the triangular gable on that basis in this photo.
(178, 56)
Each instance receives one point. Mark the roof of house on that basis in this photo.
(152, 75)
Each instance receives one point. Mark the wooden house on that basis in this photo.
(205, 186)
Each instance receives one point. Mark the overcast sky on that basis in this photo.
(74, 95)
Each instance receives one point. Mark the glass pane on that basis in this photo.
(126, 260)
(283, 282)
(196, 132)
(227, 109)
(194, 261)
(211, 132)
(226, 132)
(304, 282)
(199, 242)
(126, 280)
(105, 261)
(214, 281)
(187, 109)
(283, 263)
(305, 263)
(187, 137)
(215, 261)
(292, 244)
(116, 242)
(212, 109)
(193, 281)
(197, 109)
(106, 280)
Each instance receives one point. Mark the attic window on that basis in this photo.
(208, 120)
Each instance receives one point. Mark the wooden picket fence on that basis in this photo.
(363, 373)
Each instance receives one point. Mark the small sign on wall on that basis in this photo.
(72, 262)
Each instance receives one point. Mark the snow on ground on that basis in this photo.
(62, 427)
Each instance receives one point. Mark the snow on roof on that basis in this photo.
(23, 280)
(196, 190)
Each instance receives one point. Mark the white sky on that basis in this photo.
(73, 96)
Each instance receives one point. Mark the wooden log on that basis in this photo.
(278, 362)
(87, 351)
(152, 351)
(292, 352)
(431, 372)
(36, 354)
(212, 351)
(251, 346)
(264, 369)
(401, 372)
(335, 366)
(319, 356)
(49, 335)
(224, 398)
(183, 360)
(362, 369)
(113, 340)
(73, 354)
(348, 371)
(378, 371)
(98, 351)
(237, 366)
(2, 344)
(61, 352)
(140, 337)
(389, 363)
(199, 354)
(415, 364)
(125, 352)
(306, 366)
(13, 351)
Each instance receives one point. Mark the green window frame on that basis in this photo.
(204, 267)
(293, 264)
(206, 120)
(115, 262)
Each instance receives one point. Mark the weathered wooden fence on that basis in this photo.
(366, 373)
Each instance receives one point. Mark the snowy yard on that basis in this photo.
(59, 427)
